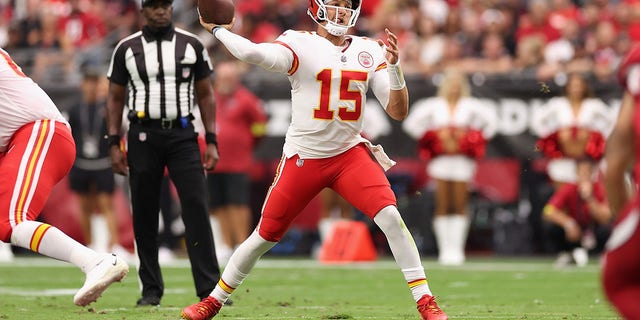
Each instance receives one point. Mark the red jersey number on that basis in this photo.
(12, 64)
(346, 77)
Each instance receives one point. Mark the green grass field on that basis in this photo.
(518, 288)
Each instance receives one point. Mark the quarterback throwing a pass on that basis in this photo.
(330, 73)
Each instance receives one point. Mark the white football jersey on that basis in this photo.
(21, 101)
(329, 85)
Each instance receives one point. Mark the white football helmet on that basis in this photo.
(318, 12)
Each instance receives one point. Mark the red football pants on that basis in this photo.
(621, 270)
(38, 156)
(354, 174)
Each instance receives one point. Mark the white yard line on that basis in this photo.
(383, 264)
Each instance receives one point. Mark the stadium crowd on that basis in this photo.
(544, 40)
(541, 37)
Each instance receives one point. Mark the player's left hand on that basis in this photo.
(392, 54)
(211, 157)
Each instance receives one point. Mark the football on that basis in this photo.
(216, 11)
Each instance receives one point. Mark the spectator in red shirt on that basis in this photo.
(240, 122)
(579, 216)
(80, 29)
(537, 22)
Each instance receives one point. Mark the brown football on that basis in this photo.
(216, 11)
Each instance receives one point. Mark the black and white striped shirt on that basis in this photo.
(160, 71)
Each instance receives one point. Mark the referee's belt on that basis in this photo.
(165, 124)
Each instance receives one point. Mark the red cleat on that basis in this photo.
(429, 309)
(203, 310)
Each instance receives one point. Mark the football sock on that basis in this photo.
(50, 241)
(404, 250)
(240, 264)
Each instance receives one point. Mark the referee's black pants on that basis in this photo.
(149, 151)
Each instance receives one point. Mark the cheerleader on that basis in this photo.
(452, 129)
(570, 127)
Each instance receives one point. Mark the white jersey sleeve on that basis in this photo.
(269, 56)
(21, 101)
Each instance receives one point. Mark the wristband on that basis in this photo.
(113, 140)
(211, 138)
(396, 78)
(213, 31)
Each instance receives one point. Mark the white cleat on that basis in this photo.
(111, 269)
(6, 255)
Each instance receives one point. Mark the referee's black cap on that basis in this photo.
(151, 2)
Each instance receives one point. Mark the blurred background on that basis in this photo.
(517, 55)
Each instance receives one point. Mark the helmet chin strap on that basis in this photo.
(334, 28)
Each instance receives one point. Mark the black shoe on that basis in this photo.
(148, 301)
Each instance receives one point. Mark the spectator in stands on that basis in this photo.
(494, 57)
(452, 129)
(453, 53)
(14, 37)
(255, 28)
(29, 26)
(240, 124)
(571, 126)
(424, 52)
(562, 12)
(603, 52)
(578, 216)
(394, 15)
(120, 18)
(562, 50)
(51, 63)
(80, 28)
(91, 177)
(536, 22)
(529, 59)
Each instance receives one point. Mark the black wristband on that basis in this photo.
(211, 138)
(113, 140)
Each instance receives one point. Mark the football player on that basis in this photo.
(36, 151)
(621, 267)
(330, 73)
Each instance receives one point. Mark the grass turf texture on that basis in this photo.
(39, 288)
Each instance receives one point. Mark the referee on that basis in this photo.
(162, 66)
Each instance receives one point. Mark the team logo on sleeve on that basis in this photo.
(365, 59)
